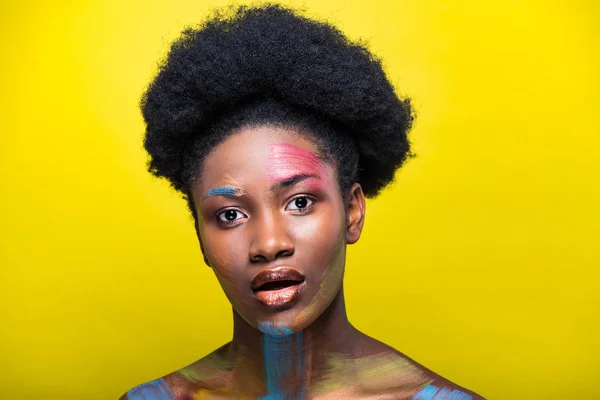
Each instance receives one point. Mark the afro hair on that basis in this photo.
(269, 64)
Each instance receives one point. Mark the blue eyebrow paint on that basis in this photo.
(281, 347)
(155, 390)
(431, 392)
(223, 191)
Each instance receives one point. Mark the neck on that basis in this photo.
(288, 361)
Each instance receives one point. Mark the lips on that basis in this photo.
(277, 287)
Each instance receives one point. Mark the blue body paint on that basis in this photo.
(155, 390)
(431, 392)
(223, 191)
(281, 347)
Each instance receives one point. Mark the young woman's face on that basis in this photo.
(273, 226)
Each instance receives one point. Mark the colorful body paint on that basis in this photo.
(287, 161)
(431, 392)
(155, 390)
(344, 377)
(283, 359)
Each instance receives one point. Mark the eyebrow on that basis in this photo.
(291, 181)
(227, 191)
(233, 191)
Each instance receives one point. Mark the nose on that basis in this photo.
(271, 239)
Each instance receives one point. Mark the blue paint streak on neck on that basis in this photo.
(281, 347)
(155, 390)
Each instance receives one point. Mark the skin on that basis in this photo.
(269, 228)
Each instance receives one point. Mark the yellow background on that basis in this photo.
(481, 262)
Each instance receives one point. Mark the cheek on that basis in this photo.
(326, 254)
(323, 232)
(225, 259)
(217, 243)
(225, 256)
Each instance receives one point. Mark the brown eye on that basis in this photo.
(300, 204)
(230, 216)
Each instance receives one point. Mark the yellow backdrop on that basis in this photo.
(481, 262)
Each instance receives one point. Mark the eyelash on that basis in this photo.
(296, 211)
(225, 221)
(305, 209)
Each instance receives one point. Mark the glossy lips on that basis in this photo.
(277, 287)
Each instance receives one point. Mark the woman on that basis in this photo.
(274, 128)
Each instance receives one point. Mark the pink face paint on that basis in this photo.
(287, 161)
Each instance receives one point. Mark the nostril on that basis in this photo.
(269, 247)
(284, 253)
(258, 258)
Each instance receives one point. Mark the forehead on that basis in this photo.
(266, 152)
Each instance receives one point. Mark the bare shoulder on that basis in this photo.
(438, 387)
(184, 384)
(170, 387)
(446, 390)
(402, 377)
(385, 373)
(157, 389)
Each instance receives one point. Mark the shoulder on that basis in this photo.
(182, 384)
(408, 376)
(170, 387)
(445, 391)
(157, 389)
(438, 388)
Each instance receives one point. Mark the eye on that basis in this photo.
(230, 216)
(300, 204)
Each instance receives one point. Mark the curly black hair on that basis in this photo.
(270, 65)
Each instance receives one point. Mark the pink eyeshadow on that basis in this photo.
(287, 161)
(314, 184)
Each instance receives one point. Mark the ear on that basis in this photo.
(355, 213)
